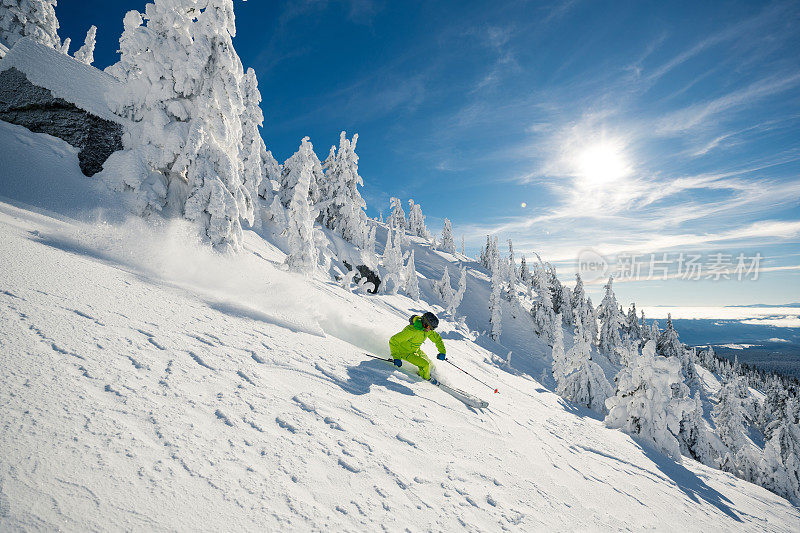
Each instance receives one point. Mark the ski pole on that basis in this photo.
(379, 358)
(470, 375)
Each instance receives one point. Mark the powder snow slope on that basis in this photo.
(147, 383)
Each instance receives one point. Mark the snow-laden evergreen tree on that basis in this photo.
(416, 221)
(495, 311)
(582, 310)
(632, 328)
(524, 272)
(397, 217)
(611, 321)
(254, 153)
(443, 289)
(644, 329)
(412, 283)
(643, 405)
(341, 204)
(85, 53)
(303, 158)
(780, 465)
(583, 381)
(448, 242)
(556, 289)
(542, 310)
(302, 255)
(271, 180)
(29, 18)
(688, 362)
(513, 273)
(370, 247)
(774, 406)
(455, 301)
(591, 319)
(693, 434)
(729, 418)
(558, 354)
(463, 247)
(490, 254)
(668, 343)
(182, 91)
(712, 357)
(392, 262)
(628, 352)
(567, 313)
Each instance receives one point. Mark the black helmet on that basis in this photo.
(429, 320)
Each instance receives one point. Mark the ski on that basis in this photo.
(465, 397)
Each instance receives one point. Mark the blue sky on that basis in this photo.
(624, 127)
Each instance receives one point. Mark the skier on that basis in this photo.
(405, 346)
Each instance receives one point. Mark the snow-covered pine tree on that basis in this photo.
(628, 352)
(495, 311)
(566, 307)
(443, 289)
(271, 180)
(397, 217)
(524, 273)
(542, 310)
(412, 283)
(392, 262)
(668, 343)
(455, 301)
(558, 354)
(370, 247)
(780, 466)
(611, 321)
(182, 91)
(513, 273)
(302, 255)
(448, 242)
(556, 290)
(582, 310)
(85, 53)
(303, 158)
(591, 321)
(644, 329)
(643, 405)
(729, 418)
(693, 434)
(774, 406)
(341, 204)
(463, 247)
(583, 381)
(484, 257)
(632, 324)
(29, 18)
(416, 221)
(254, 153)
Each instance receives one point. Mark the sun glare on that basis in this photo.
(601, 163)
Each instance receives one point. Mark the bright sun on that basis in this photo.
(601, 163)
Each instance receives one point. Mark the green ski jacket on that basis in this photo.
(412, 336)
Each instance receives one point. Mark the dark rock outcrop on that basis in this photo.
(367, 273)
(25, 104)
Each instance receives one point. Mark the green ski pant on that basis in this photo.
(420, 360)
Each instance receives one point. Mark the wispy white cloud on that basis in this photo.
(697, 115)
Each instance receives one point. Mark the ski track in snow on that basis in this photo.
(160, 412)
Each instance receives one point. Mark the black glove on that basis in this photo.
(441, 357)
(398, 363)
